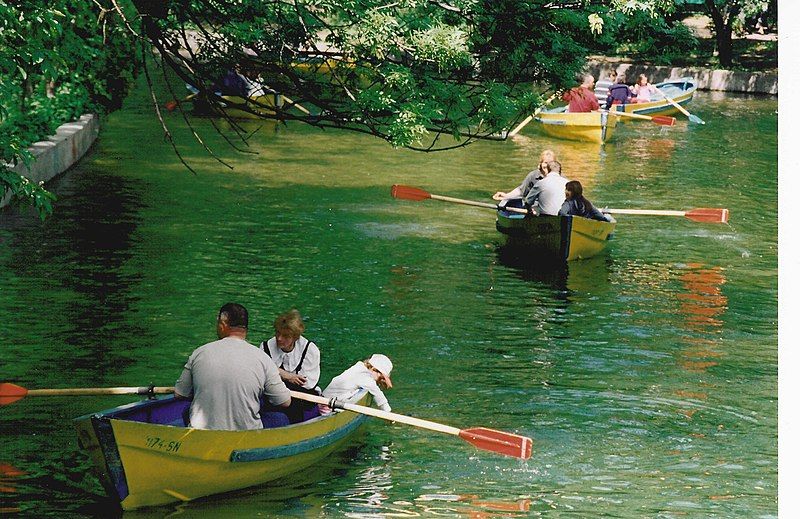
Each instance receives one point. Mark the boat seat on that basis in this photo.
(273, 419)
(519, 203)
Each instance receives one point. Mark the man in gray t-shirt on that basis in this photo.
(226, 378)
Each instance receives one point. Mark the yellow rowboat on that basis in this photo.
(237, 107)
(580, 126)
(560, 238)
(145, 456)
(679, 90)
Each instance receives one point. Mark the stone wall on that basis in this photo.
(707, 79)
(59, 152)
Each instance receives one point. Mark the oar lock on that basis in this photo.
(147, 390)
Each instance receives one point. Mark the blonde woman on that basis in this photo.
(297, 359)
(534, 176)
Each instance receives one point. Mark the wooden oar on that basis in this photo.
(714, 215)
(416, 194)
(296, 105)
(703, 214)
(10, 393)
(528, 119)
(663, 120)
(683, 110)
(487, 439)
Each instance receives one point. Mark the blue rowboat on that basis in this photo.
(679, 90)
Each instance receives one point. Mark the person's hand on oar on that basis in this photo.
(483, 438)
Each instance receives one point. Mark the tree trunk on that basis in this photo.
(725, 45)
(723, 16)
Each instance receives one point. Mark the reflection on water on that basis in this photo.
(579, 160)
(8, 488)
(621, 367)
(703, 304)
(659, 147)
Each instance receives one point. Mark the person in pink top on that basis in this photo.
(643, 90)
(582, 98)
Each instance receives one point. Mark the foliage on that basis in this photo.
(408, 71)
(728, 17)
(58, 60)
(645, 37)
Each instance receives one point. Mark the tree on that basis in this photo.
(422, 74)
(58, 60)
(727, 17)
(412, 72)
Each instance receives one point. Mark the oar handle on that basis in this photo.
(297, 105)
(628, 114)
(477, 204)
(652, 212)
(673, 103)
(464, 202)
(520, 126)
(377, 413)
(528, 119)
(84, 391)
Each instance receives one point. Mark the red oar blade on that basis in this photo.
(664, 120)
(501, 442)
(705, 214)
(409, 193)
(10, 393)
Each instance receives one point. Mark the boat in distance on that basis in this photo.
(144, 455)
(577, 126)
(679, 90)
(599, 127)
(560, 238)
(237, 107)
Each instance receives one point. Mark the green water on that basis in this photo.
(647, 376)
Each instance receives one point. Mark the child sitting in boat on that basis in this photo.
(576, 205)
(619, 93)
(370, 374)
(643, 91)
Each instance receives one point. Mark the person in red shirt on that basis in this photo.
(582, 98)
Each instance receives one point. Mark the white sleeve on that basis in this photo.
(377, 395)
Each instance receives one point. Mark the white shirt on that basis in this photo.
(349, 383)
(225, 379)
(601, 90)
(548, 194)
(289, 361)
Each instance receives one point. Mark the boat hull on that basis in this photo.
(237, 107)
(560, 238)
(679, 90)
(580, 126)
(147, 464)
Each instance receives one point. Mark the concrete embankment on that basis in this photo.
(707, 79)
(59, 152)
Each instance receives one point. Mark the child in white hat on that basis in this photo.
(370, 374)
